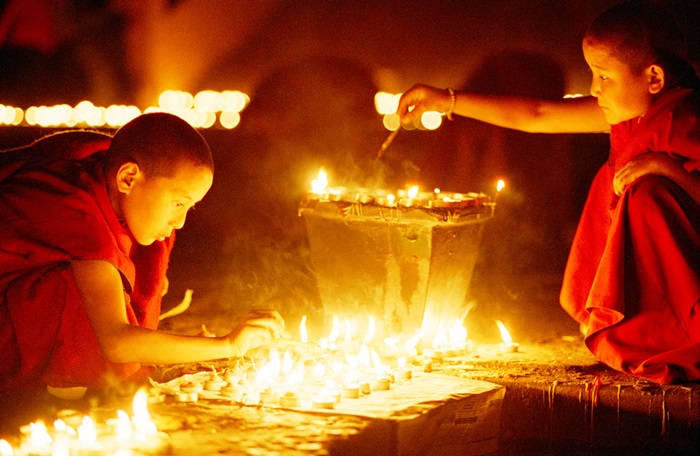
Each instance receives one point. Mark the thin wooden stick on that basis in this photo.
(387, 143)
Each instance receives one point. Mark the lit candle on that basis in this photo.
(289, 399)
(404, 373)
(508, 346)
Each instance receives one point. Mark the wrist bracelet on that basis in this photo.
(453, 100)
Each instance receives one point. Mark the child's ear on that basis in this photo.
(656, 77)
(126, 176)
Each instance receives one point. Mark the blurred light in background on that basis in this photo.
(201, 110)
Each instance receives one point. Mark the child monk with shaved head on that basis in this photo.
(88, 223)
(633, 276)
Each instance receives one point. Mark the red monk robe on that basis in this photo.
(54, 209)
(633, 274)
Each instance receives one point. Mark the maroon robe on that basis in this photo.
(55, 209)
(633, 274)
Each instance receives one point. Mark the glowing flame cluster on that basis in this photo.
(87, 437)
(200, 110)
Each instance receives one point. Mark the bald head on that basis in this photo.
(641, 33)
(157, 142)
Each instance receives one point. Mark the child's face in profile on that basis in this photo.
(154, 207)
(622, 94)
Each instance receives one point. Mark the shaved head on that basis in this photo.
(157, 142)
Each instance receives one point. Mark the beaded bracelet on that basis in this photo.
(453, 100)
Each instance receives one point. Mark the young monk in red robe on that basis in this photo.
(633, 276)
(88, 222)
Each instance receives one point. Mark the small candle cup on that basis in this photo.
(214, 385)
(187, 397)
(404, 374)
(324, 402)
(289, 399)
(269, 396)
(365, 388)
(427, 365)
(380, 384)
(350, 391)
(511, 347)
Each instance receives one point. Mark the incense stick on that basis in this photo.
(387, 143)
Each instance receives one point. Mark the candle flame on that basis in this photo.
(142, 419)
(87, 433)
(413, 191)
(335, 331)
(59, 425)
(348, 331)
(38, 435)
(458, 333)
(401, 361)
(500, 185)
(363, 357)
(287, 363)
(269, 371)
(123, 428)
(390, 199)
(320, 184)
(379, 367)
(440, 339)
(319, 370)
(370, 330)
(5, 448)
(505, 335)
(302, 330)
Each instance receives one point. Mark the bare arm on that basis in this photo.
(570, 115)
(659, 164)
(100, 287)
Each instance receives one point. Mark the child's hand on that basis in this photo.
(421, 98)
(659, 164)
(256, 328)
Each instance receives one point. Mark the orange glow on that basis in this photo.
(391, 122)
(431, 120)
(320, 184)
(386, 103)
(500, 185)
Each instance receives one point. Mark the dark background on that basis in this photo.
(312, 69)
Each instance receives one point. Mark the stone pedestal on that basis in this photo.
(407, 264)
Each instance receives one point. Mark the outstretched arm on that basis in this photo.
(570, 115)
(100, 287)
(659, 164)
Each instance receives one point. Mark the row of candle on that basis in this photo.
(348, 369)
(82, 435)
(413, 197)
